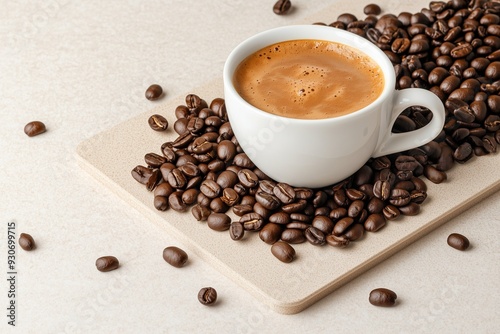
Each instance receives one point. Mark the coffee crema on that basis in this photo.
(309, 79)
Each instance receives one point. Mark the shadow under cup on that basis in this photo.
(314, 152)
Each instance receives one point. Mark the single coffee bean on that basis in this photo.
(458, 241)
(337, 241)
(153, 180)
(283, 251)
(141, 174)
(176, 203)
(200, 212)
(175, 256)
(154, 92)
(242, 209)
(176, 178)
(391, 212)
(219, 221)
(154, 160)
(160, 203)
(252, 221)
(282, 7)
(284, 192)
(236, 231)
(314, 236)
(210, 188)
(323, 223)
(293, 235)
(354, 232)
(190, 196)
(271, 233)
(374, 222)
(268, 201)
(107, 263)
(248, 178)
(227, 179)
(207, 296)
(382, 297)
(434, 175)
(372, 9)
(282, 218)
(158, 122)
(411, 209)
(230, 196)
(26, 242)
(399, 197)
(34, 128)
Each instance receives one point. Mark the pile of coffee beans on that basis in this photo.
(450, 48)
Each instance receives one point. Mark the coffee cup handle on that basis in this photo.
(398, 142)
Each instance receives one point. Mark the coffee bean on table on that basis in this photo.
(175, 256)
(219, 221)
(283, 251)
(154, 92)
(458, 241)
(26, 242)
(372, 9)
(207, 296)
(382, 297)
(158, 122)
(34, 128)
(282, 7)
(236, 231)
(107, 263)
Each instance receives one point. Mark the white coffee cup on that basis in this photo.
(320, 152)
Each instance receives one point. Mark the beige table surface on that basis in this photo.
(83, 68)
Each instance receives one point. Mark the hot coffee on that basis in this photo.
(309, 79)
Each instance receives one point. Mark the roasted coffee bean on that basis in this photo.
(283, 251)
(391, 212)
(176, 178)
(298, 225)
(268, 201)
(458, 241)
(463, 152)
(219, 221)
(190, 196)
(153, 180)
(210, 188)
(236, 231)
(282, 7)
(34, 128)
(270, 233)
(282, 218)
(242, 209)
(200, 212)
(375, 205)
(374, 222)
(141, 174)
(382, 297)
(154, 160)
(158, 122)
(267, 186)
(252, 221)
(354, 232)
(107, 263)
(489, 144)
(399, 197)
(207, 296)
(382, 189)
(153, 92)
(293, 236)
(445, 161)
(314, 236)
(342, 225)
(230, 196)
(340, 241)
(248, 178)
(372, 9)
(160, 203)
(226, 150)
(242, 160)
(175, 256)
(227, 179)
(26, 242)
(284, 192)
(355, 208)
(218, 206)
(411, 209)
(434, 175)
(323, 223)
(176, 203)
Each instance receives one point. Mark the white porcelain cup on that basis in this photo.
(320, 152)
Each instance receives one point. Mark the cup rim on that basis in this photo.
(235, 58)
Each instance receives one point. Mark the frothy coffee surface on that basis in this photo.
(309, 79)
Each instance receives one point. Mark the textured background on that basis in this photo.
(82, 68)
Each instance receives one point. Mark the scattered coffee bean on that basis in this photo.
(207, 296)
(34, 128)
(26, 242)
(282, 7)
(458, 241)
(382, 297)
(154, 92)
(106, 263)
(283, 251)
(372, 9)
(158, 122)
(175, 256)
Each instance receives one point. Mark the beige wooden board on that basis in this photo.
(317, 271)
